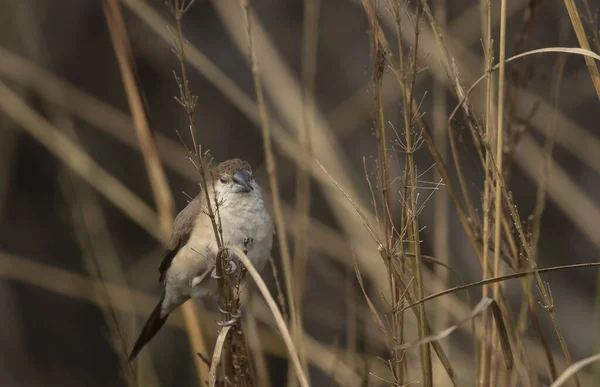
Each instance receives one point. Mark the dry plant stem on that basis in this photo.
(540, 206)
(384, 183)
(503, 278)
(235, 350)
(156, 174)
(188, 102)
(583, 42)
(310, 38)
(378, 57)
(487, 184)
(276, 314)
(498, 202)
(256, 347)
(403, 219)
(595, 75)
(441, 245)
(473, 218)
(271, 169)
(412, 211)
(214, 364)
(280, 296)
(402, 370)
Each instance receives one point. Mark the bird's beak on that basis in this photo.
(242, 178)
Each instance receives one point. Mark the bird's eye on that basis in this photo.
(223, 179)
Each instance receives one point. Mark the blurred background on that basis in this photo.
(75, 238)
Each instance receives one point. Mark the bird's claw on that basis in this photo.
(231, 268)
(235, 318)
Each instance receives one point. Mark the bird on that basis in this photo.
(187, 268)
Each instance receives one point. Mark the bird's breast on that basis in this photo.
(247, 225)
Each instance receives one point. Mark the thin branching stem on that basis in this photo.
(235, 346)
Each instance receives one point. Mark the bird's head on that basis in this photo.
(234, 177)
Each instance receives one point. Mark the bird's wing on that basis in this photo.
(182, 229)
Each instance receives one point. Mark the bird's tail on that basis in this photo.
(152, 326)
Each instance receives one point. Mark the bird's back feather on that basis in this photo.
(182, 228)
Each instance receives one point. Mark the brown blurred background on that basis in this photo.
(57, 233)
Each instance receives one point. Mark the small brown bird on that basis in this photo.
(191, 253)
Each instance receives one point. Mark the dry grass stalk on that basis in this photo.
(256, 346)
(498, 214)
(272, 172)
(276, 314)
(489, 60)
(158, 180)
(212, 377)
(441, 237)
(310, 38)
(411, 208)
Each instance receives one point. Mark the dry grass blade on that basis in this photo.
(310, 39)
(271, 170)
(574, 368)
(376, 317)
(80, 163)
(482, 306)
(156, 174)
(562, 50)
(276, 314)
(216, 358)
(501, 279)
(502, 335)
(255, 344)
(441, 236)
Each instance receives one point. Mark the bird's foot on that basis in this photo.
(231, 268)
(235, 318)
